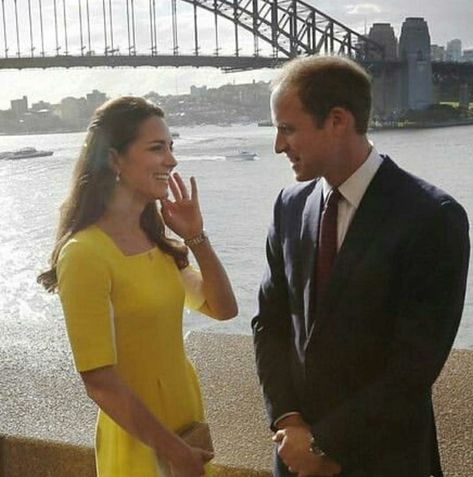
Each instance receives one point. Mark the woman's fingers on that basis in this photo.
(167, 208)
(194, 192)
(174, 188)
(179, 189)
(182, 187)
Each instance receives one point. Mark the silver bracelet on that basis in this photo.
(197, 239)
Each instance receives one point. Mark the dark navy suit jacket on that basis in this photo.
(361, 375)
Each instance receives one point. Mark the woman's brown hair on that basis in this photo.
(115, 125)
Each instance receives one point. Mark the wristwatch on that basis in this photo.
(315, 449)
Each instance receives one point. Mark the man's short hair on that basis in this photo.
(325, 82)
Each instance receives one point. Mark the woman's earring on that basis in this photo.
(117, 177)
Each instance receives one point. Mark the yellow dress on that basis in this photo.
(127, 311)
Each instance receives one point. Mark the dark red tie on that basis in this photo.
(327, 245)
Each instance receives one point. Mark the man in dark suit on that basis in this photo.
(363, 291)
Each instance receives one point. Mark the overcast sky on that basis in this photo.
(446, 20)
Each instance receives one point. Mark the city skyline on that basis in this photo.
(446, 22)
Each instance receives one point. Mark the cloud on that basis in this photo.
(363, 9)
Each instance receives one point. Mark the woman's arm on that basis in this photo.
(183, 216)
(117, 400)
(220, 302)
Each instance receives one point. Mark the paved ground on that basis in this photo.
(234, 406)
(453, 400)
(47, 421)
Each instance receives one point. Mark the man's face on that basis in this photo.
(308, 148)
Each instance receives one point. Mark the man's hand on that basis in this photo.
(295, 419)
(294, 449)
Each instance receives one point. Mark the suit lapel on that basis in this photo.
(308, 239)
(368, 218)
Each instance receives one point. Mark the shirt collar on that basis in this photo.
(354, 188)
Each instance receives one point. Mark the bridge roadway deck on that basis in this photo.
(462, 71)
(113, 61)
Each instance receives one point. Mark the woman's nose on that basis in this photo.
(171, 160)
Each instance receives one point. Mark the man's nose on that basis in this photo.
(280, 143)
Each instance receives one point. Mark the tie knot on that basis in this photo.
(333, 198)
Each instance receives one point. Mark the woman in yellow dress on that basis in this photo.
(123, 285)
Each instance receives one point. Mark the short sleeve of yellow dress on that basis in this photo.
(127, 311)
(84, 287)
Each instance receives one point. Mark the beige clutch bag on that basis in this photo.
(197, 434)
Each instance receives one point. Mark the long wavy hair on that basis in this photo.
(114, 125)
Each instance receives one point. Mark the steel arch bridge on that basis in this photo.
(83, 33)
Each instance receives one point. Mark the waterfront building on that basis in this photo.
(454, 50)
(94, 100)
(41, 106)
(437, 53)
(468, 55)
(74, 112)
(19, 106)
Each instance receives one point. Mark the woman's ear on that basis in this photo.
(114, 160)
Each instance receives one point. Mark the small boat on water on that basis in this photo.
(24, 153)
(242, 156)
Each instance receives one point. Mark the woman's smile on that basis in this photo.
(161, 176)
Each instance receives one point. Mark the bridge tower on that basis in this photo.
(386, 82)
(414, 52)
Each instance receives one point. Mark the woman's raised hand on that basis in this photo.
(182, 215)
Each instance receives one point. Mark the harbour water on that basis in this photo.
(236, 198)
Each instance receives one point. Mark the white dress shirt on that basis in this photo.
(352, 191)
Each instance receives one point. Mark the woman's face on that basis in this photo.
(147, 163)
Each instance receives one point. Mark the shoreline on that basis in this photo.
(420, 125)
(403, 125)
(374, 127)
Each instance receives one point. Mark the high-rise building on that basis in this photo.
(437, 53)
(468, 55)
(454, 50)
(41, 106)
(95, 99)
(73, 111)
(19, 106)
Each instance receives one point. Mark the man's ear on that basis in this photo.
(340, 118)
